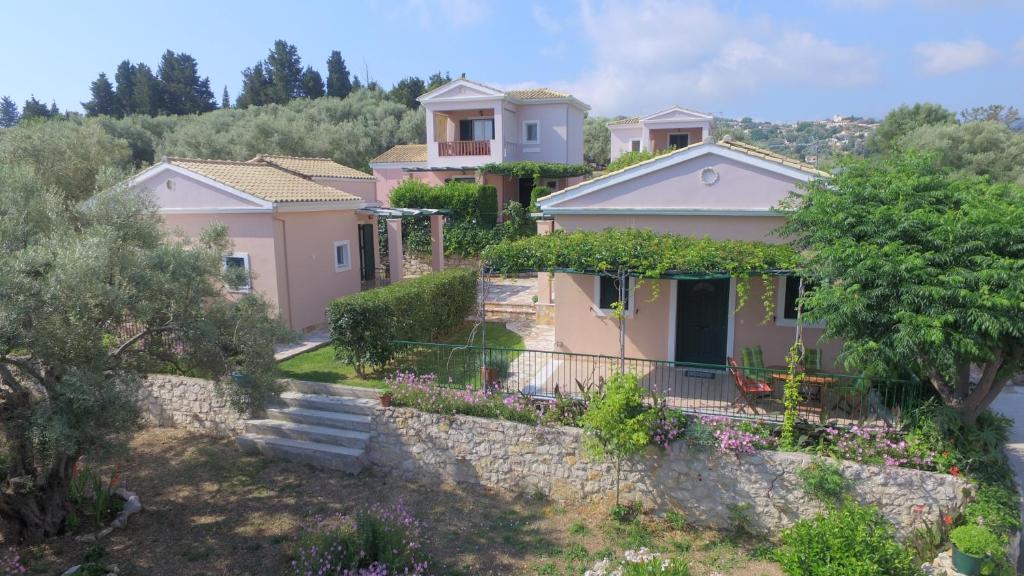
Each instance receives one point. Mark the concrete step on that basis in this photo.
(330, 403)
(321, 455)
(325, 389)
(341, 420)
(308, 433)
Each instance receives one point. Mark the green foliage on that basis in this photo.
(9, 115)
(597, 141)
(338, 82)
(995, 506)
(537, 193)
(91, 496)
(973, 149)
(516, 222)
(103, 101)
(423, 392)
(791, 397)
(977, 540)
(630, 158)
(903, 120)
(407, 90)
(645, 254)
(476, 203)
(617, 423)
(77, 271)
(852, 540)
(365, 325)
(825, 482)
(916, 270)
(535, 170)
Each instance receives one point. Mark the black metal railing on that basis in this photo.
(753, 393)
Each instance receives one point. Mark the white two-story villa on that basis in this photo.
(674, 128)
(469, 124)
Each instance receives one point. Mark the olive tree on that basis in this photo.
(94, 295)
(917, 269)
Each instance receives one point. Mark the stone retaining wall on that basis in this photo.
(708, 486)
(190, 403)
(415, 264)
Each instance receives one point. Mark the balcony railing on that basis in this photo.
(464, 148)
(694, 388)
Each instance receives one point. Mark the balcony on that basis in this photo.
(464, 148)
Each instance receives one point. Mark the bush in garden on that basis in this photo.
(617, 422)
(825, 482)
(537, 193)
(739, 436)
(852, 540)
(994, 506)
(365, 325)
(464, 201)
(374, 542)
(422, 392)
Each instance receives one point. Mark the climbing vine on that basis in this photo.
(791, 395)
(646, 255)
(536, 170)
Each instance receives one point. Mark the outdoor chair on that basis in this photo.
(753, 363)
(812, 360)
(748, 390)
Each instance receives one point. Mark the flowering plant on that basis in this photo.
(380, 541)
(423, 393)
(639, 563)
(10, 563)
(738, 437)
(876, 445)
(669, 425)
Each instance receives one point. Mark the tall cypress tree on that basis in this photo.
(183, 91)
(338, 82)
(312, 83)
(255, 87)
(104, 101)
(146, 95)
(9, 115)
(124, 81)
(285, 69)
(225, 100)
(34, 109)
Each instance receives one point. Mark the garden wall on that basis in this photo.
(191, 403)
(709, 486)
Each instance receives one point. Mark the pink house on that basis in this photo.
(469, 124)
(672, 128)
(299, 227)
(723, 190)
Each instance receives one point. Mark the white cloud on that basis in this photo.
(646, 61)
(547, 22)
(937, 58)
(454, 13)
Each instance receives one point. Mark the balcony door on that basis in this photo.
(678, 141)
(478, 129)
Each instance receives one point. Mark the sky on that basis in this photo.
(778, 60)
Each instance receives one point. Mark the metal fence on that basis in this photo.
(753, 393)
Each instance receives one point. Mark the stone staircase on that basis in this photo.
(509, 311)
(324, 425)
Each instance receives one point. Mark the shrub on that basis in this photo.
(466, 202)
(422, 392)
(739, 437)
(10, 563)
(365, 325)
(876, 445)
(824, 481)
(617, 422)
(537, 193)
(853, 540)
(628, 159)
(668, 425)
(977, 541)
(370, 543)
(640, 563)
(994, 506)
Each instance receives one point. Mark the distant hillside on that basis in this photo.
(809, 140)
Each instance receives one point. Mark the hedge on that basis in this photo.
(365, 325)
(537, 193)
(463, 200)
(536, 170)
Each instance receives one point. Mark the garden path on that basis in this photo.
(1011, 403)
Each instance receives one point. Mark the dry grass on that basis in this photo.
(210, 510)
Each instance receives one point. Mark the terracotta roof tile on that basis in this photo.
(403, 153)
(623, 121)
(264, 181)
(322, 167)
(535, 94)
(772, 156)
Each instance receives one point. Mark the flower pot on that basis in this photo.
(385, 400)
(965, 563)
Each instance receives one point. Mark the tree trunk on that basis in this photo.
(35, 511)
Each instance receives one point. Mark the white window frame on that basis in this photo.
(248, 272)
(526, 139)
(780, 307)
(348, 256)
(639, 145)
(608, 312)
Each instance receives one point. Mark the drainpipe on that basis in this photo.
(287, 276)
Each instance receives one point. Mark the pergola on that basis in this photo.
(394, 218)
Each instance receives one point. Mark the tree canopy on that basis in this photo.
(596, 141)
(917, 270)
(903, 120)
(981, 148)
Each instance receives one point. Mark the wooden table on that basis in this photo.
(819, 382)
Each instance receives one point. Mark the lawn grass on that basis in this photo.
(320, 365)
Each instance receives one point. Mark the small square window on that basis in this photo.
(531, 132)
(609, 293)
(790, 292)
(342, 258)
(237, 275)
(634, 145)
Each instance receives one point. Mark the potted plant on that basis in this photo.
(386, 395)
(972, 544)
